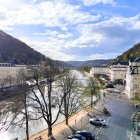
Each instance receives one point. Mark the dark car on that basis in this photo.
(76, 136)
(97, 122)
(87, 134)
(109, 85)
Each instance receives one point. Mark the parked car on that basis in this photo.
(76, 136)
(87, 134)
(137, 106)
(74, 139)
(97, 122)
(109, 85)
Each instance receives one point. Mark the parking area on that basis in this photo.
(118, 126)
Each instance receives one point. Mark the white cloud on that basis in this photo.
(13, 4)
(94, 2)
(54, 34)
(102, 56)
(49, 13)
(52, 48)
(112, 34)
(115, 31)
(64, 36)
(87, 39)
(48, 33)
(64, 28)
(116, 34)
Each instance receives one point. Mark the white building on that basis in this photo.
(118, 71)
(7, 69)
(133, 79)
(99, 70)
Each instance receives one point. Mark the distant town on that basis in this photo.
(117, 83)
(69, 69)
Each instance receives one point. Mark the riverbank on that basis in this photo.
(62, 131)
(78, 120)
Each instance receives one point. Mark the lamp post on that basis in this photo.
(81, 122)
(75, 123)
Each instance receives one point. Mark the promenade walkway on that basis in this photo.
(77, 121)
(62, 131)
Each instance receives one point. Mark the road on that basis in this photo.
(119, 124)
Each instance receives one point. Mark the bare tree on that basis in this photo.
(70, 87)
(10, 80)
(43, 99)
(21, 77)
(15, 112)
(92, 89)
(3, 82)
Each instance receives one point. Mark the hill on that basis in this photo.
(11, 47)
(130, 54)
(89, 62)
(62, 64)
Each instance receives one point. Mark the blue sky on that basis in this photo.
(73, 29)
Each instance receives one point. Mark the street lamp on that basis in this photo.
(81, 122)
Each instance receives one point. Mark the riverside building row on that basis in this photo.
(133, 79)
(10, 71)
(127, 72)
(115, 72)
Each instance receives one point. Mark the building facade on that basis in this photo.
(118, 71)
(99, 70)
(10, 70)
(133, 79)
(115, 72)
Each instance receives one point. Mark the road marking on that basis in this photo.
(101, 129)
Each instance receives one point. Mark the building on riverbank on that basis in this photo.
(99, 70)
(9, 71)
(115, 71)
(133, 79)
(118, 71)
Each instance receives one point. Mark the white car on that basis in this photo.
(97, 122)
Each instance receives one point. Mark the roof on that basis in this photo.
(122, 63)
(137, 59)
(102, 66)
(6, 65)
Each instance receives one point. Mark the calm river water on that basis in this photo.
(41, 125)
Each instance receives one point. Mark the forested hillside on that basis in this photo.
(11, 47)
(131, 54)
(97, 62)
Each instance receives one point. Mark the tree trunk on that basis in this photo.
(27, 130)
(50, 136)
(66, 120)
(91, 101)
(27, 119)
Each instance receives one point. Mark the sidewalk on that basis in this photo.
(62, 131)
(76, 122)
(134, 136)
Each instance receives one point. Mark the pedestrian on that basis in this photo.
(104, 94)
(75, 121)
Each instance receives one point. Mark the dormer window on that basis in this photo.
(135, 70)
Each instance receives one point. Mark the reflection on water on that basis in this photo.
(34, 128)
(40, 125)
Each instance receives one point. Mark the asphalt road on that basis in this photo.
(120, 123)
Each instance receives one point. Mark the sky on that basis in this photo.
(73, 29)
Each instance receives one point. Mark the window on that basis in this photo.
(136, 86)
(136, 77)
(135, 70)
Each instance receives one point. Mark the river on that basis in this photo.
(11, 134)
